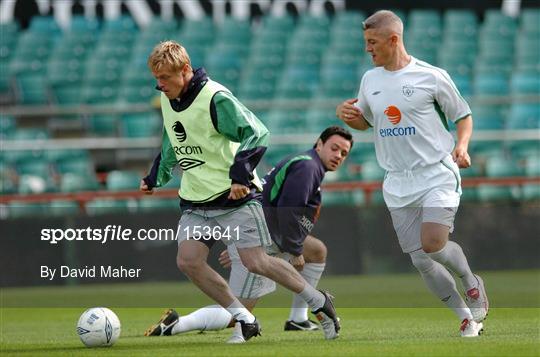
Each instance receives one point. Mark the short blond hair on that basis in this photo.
(168, 53)
(386, 21)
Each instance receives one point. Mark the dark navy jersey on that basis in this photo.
(292, 199)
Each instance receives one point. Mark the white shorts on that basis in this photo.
(428, 194)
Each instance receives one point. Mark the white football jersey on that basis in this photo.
(408, 110)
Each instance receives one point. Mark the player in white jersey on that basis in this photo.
(408, 102)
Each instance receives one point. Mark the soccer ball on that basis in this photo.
(98, 326)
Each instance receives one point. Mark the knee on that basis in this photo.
(255, 266)
(434, 237)
(314, 250)
(188, 266)
(319, 254)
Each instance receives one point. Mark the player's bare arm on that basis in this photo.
(351, 115)
(464, 132)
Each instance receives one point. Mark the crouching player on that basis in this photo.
(291, 203)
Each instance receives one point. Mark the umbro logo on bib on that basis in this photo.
(188, 163)
(179, 131)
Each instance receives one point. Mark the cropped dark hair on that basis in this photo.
(335, 130)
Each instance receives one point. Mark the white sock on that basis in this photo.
(314, 298)
(239, 312)
(209, 318)
(312, 273)
(452, 257)
(441, 283)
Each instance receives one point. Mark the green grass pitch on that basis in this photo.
(386, 315)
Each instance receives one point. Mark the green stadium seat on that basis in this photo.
(532, 165)
(256, 90)
(31, 184)
(489, 193)
(136, 94)
(60, 154)
(460, 22)
(107, 206)
(82, 25)
(8, 125)
(528, 51)
(496, 23)
(103, 124)
(34, 168)
(63, 208)
(23, 209)
(234, 30)
(123, 180)
(160, 26)
(502, 167)
(67, 94)
(283, 24)
(30, 134)
(82, 165)
(32, 89)
(348, 20)
(72, 182)
(489, 85)
(487, 118)
(423, 21)
(525, 83)
(120, 24)
(530, 18)
(525, 149)
(530, 192)
(64, 72)
(45, 25)
(524, 116)
(139, 125)
(463, 83)
(371, 171)
(149, 204)
(200, 31)
(99, 93)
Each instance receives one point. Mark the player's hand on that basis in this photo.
(224, 259)
(144, 188)
(461, 157)
(347, 112)
(298, 262)
(238, 191)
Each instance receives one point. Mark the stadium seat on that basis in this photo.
(45, 25)
(460, 22)
(141, 125)
(32, 89)
(371, 171)
(487, 118)
(469, 194)
(490, 84)
(8, 125)
(107, 206)
(73, 182)
(525, 83)
(524, 116)
(201, 32)
(82, 25)
(529, 20)
(81, 165)
(532, 165)
(530, 192)
(502, 167)
(489, 193)
(20, 209)
(63, 208)
(123, 180)
(31, 184)
(148, 204)
(34, 168)
(424, 21)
